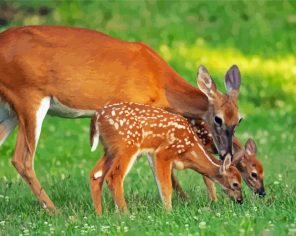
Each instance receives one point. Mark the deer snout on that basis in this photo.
(261, 192)
(239, 200)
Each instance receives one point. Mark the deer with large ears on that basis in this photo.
(72, 72)
(245, 160)
(129, 130)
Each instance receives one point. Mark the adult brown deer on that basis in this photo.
(128, 130)
(71, 72)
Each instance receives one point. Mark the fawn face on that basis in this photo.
(251, 168)
(230, 180)
(223, 115)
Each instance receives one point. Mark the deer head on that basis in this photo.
(230, 180)
(250, 167)
(223, 115)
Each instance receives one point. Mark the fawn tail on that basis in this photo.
(94, 132)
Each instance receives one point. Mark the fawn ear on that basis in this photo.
(250, 147)
(205, 83)
(238, 156)
(226, 164)
(233, 80)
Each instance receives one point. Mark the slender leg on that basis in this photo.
(30, 123)
(97, 176)
(119, 168)
(163, 169)
(177, 187)
(211, 189)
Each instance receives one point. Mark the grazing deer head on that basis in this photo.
(250, 167)
(223, 115)
(245, 159)
(230, 180)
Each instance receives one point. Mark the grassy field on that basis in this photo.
(258, 37)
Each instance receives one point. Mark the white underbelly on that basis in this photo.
(58, 109)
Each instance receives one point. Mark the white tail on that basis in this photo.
(94, 132)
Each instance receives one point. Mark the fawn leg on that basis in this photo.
(163, 173)
(97, 176)
(120, 167)
(211, 189)
(177, 187)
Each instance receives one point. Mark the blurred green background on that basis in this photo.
(258, 36)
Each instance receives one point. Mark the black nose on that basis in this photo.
(239, 201)
(262, 193)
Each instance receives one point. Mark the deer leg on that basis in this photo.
(97, 176)
(163, 169)
(211, 189)
(120, 167)
(177, 187)
(27, 138)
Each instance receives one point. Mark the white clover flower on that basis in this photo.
(26, 232)
(241, 232)
(202, 225)
(125, 228)
(292, 231)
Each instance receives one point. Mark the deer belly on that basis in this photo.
(58, 109)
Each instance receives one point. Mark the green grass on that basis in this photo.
(256, 36)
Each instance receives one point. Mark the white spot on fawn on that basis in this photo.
(98, 174)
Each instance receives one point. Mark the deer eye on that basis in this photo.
(240, 120)
(218, 120)
(235, 185)
(254, 175)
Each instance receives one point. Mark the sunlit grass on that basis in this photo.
(219, 59)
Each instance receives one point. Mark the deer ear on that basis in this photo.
(205, 82)
(226, 163)
(238, 156)
(250, 147)
(233, 80)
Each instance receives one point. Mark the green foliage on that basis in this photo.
(258, 36)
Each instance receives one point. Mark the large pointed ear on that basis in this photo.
(238, 156)
(205, 83)
(233, 80)
(226, 164)
(250, 147)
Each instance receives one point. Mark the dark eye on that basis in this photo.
(235, 185)
(254, 175)
(218, 120)
(240, 120)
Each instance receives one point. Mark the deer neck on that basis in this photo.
(204, 163)
(185, 99)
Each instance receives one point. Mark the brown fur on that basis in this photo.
(84, 70)
(128, 129)
(246, 165)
